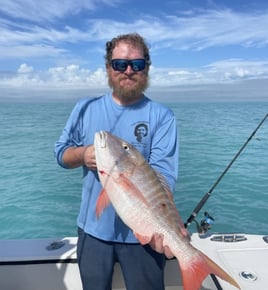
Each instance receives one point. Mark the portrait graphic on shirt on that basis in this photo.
(141, 131)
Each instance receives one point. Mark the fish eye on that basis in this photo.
(125, 146)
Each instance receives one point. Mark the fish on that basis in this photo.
(142, 199)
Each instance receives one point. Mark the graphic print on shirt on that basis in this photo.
(141, 131)
(141, 134)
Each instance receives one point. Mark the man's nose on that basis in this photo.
(129, 70)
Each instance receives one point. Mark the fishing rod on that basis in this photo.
(205, 225)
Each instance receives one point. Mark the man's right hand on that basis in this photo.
(89, 157)
(74, 157)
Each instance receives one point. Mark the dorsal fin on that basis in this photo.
(165, 185)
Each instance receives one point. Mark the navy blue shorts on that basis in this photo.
(142, 268)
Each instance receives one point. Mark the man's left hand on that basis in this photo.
(157, 244)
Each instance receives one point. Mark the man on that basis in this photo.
(105, 240)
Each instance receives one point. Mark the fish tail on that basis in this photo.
(200, 267)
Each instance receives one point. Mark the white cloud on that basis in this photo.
(220, 28)
(238, 69)
(194, 32)
(225, 76)
(44, 10)
(50, 51)
(71, 76)
(224, 71)
(24, 68)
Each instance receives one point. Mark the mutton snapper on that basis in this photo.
(143, 201)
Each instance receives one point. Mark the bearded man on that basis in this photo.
(105, 240)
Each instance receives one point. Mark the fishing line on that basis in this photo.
(191, 218)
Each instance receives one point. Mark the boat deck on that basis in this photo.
(50, 264)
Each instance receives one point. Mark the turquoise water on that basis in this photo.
(40, 199)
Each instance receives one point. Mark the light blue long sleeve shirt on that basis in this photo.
(147, 125)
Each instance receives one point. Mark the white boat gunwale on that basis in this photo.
(54, 261)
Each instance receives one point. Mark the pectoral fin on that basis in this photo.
(130, 188)
(102, 202)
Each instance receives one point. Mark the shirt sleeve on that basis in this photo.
(164, 156)
(71, 135)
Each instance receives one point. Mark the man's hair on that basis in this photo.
(133, 39)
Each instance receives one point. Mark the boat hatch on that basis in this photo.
(228, 238)
(55, 245)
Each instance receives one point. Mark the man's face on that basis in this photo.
(129, 85)
(141, 131)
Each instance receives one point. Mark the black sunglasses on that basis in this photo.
(122, 64)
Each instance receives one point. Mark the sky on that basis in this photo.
(200, 50)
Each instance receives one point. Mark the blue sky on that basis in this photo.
(200, 50)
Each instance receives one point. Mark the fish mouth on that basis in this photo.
(102, 139)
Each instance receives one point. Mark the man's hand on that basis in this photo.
(89, 157)
(74, 157)
(157, 244)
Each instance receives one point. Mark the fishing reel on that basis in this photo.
(205, 224)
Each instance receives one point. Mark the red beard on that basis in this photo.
(129, 93)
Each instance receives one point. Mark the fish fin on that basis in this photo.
(179, 220)
(200, 267)
(165, 184)
(102, 202)
(142, 239)
(131, 188)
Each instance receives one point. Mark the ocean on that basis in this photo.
(39, 199)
